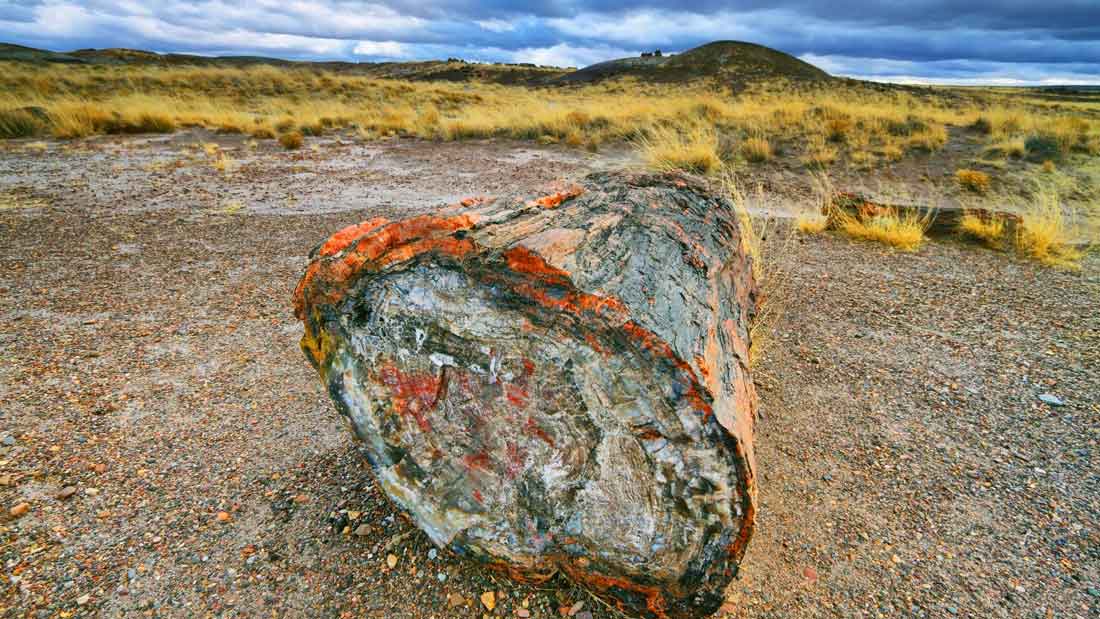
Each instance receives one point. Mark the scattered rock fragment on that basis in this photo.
(391, 560)
(19, 509)
(66, 492)
(1051, 399)
(455, 600)
(489, 600)
(224, 517)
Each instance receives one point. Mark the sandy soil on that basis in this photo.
(149, 362)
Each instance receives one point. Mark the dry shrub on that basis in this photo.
(972, 180)
(695, 150)
(292, 140)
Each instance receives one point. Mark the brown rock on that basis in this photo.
(455, 600)
(224, 517)
(19, 510)
(557, 383)
(66, 492)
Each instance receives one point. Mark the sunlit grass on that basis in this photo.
(1047, 230)
(989, 229)
(695, 150)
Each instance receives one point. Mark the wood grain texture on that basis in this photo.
(555, 383)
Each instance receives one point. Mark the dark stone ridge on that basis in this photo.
(555, 384)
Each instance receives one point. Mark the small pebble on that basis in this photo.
(19, 510)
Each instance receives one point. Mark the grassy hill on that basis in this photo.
(734, 63)
(452, 70)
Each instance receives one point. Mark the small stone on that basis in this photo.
(455, 600)
(442, 577)
(301, 498)
(100, 468)
(1051, 399)
(19, 510)
(810, 574)
(576, 608)
(432, 554)
(523, 612)
(391, 560)
(66, 492)
(584, 614)
(84, 599)
(353, 515)
(489, 599)
(91, 491)
(223, 517)
(362, 530)
(9, 440)
(1094, 592)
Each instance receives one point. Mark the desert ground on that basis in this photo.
(928, 431)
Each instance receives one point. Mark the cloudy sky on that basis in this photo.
(954, 41)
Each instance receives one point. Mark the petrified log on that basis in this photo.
(555, 384)
(940, 222)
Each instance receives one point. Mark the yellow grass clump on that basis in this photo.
(904, 231)
(292, 140)
(756, 149)
(972, 180)
(989, 229)
(811, 222)
(1047, 229)
(693, 151)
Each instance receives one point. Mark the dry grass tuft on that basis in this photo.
(972, 180)
(905, 232)
(292, 140)
(18, 124)
(756, 149)
(766, 244)
(1047, 229)
(668, 149)
(811, 222)
(989, 230)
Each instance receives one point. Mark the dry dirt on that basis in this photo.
(149, 361)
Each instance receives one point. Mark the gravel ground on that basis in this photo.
(177, 456)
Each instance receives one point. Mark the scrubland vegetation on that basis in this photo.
(697, 126)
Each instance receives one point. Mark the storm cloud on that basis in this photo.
(975, 41)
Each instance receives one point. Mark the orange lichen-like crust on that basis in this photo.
(368, 245)
(555, 200)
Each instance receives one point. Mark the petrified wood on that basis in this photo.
(940, 222)
(555, 384)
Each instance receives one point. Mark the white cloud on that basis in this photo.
(564, 55)
(381, 49)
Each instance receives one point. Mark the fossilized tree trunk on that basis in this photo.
(555, 384)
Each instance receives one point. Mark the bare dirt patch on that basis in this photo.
(150, 360)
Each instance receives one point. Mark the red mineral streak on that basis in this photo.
(479, 461)
(516, 395)
(555, 199)
(413, 395)
(532, 428)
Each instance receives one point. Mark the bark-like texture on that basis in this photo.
(555, 384)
